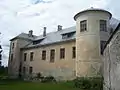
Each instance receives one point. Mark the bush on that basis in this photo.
(91, 83)
(39, 75)
(48, 79)
(44, 79)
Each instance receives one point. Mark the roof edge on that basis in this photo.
(115, 31)
(92, 9)
(19, 38)
(37, 46)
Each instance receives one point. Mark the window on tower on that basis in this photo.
(103, 25)
(83, 26)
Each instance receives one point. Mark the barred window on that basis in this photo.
(52, 55)
(43, 55)
(83, 26)
(103, 25)
(62, 53)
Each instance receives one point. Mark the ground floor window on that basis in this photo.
(30, 70)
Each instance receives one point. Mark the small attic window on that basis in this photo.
(64, 36)
(67, 35)
(37, 41)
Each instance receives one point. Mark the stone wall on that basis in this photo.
(111, 61)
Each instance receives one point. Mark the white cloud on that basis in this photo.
(18, 16)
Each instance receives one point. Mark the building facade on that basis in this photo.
(66, 53)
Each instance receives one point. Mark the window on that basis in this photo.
(73, 52)
(30, 70)
(67, 35)
(64, 36)
(103, 25)
(24, 70)
(43, 55)
(102, 45)
(12, 45)
(83, 26)
(62, 53)
(37, 41)
(52, 55)
(11, 57)
(25, 56)
(31, 56)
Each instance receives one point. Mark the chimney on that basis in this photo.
(44, 32)
(30, 33)
(59, 27)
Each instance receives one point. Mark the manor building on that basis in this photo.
(65, 53)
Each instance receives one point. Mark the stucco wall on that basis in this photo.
(111, 61)
(61, 68)
(88, 60)
(13, 65)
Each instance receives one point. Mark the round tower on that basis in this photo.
(89, 23)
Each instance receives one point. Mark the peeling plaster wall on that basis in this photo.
(112, 63)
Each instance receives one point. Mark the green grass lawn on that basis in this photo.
(22, 85)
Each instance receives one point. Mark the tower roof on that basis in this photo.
(92, 9)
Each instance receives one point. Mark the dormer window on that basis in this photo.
(64, 36)
(67, 35)
(37, 41)
(83, 26)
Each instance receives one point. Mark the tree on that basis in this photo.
(0, 54)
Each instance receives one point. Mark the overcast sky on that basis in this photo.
(18, 16)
